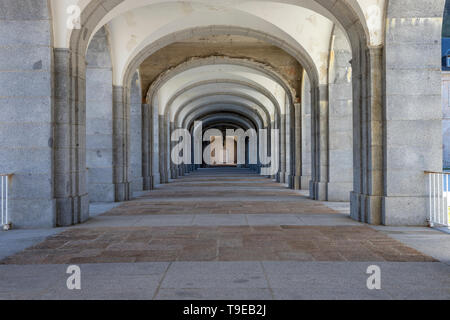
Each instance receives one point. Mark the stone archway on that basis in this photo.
(72, 204)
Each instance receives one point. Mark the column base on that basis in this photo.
(304, 182)
(173, 173)
(156, 179)
(164, 177)
(281, 177)
(366, 209)
(296, 182)
(318, 190)
(72, 210)
(148, 183)
(122, 191)
(289, 180)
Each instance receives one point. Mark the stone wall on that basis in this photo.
(26, 129)
(306, 133)
(413, 108)
(340, 120)
(135, 138)
(99, 131)
(446, 118)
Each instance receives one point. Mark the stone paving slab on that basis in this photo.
(14, 241)
(227, 275)
(434, 243)
(219, 243)
(98, 208)
(215, 294)
(259, 241)
(263, 280)
(177, 220)
(217, 206)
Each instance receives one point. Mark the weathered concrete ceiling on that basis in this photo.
(225, 45)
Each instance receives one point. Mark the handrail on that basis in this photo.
(434, 172)
(439, 198)
(6, 224)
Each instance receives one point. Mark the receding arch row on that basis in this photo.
(216, 60)
(220, 60)
(224, 117)
(235, 85)
(166, 126)
(381, 115)
(120, 101)
(296, 52)
(202, 110)
(346, 13)
(224, 97)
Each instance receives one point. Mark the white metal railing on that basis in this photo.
(439, 202)
(4, 188)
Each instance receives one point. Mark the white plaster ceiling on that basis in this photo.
(221, 89)
(135, 24)
(370, 12)
(212, 72)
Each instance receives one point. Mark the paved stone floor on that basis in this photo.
(224, 234)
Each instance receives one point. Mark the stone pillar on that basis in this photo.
(146, 148)
(72, 203)
(296, 179)
(120, 144)
(288, 148)
(154, 146)
(174, 172)
(271, 146)
(366, 199)
(413, 110)
(446, 117)
(99, 131)
(281, 177)
(27, 136)
(135, 135)
(319, 133)
(163, 169)
(340, 119)
(64, 151)
(306, 133)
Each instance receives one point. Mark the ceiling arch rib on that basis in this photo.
(223, 119)
(219, 87)
(195, 63)
(219, 108)
(176, 100)
(227, 117)
(345, 12)
(219, 73)
(304, 61)
(145, 33)
(200, 97)
(244, 100)
(348, 13)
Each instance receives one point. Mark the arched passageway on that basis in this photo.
(154, 76)
(271, 144)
